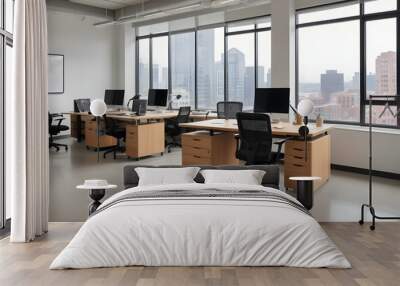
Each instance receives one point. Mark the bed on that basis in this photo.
(198, 224)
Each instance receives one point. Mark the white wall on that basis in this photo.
(94, 57)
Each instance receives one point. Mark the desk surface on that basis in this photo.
(150, 115)
(279, 129)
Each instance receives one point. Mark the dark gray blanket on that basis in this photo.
(206, 194)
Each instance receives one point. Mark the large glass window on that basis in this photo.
(377, 6)
(264, 59)
(144, 67)
(6, 42)
(240, 69)
(328, 69)
(338, 71)
(183, 68)
(210, 67)
(160, 62)
(206, 65)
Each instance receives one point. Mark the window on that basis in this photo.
(183, 68)
(328, 69)
(160, 62)
(6, 43)
(205, 65)
(210, 67)
(329, 12)
(338, 71)
(264, 59)
(144, 67)
(240, 69)
(379, 6)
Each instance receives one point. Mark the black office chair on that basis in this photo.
(55, 129)
(254, 142)
(173, 130)
(228, 109)
(112, 129)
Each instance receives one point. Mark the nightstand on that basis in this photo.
(97, 190)
(305, 190)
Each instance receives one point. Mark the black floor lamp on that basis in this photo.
(98, 108)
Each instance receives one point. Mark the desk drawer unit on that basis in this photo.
(201, 148)
(318, 161)
(145, 140)
(91, 136)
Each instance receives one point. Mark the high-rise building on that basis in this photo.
(386, 73)
(331, 82)
(206, 79)
(236, 74)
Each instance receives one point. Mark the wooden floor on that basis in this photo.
(375, 257)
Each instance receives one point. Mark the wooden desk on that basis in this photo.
(215, 145)
(145, 134)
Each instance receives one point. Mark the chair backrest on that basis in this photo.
(109, 124)
(228, 109)
(255, 134)
(50, 119)
(183, 114)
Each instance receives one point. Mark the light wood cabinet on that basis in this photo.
(318, 163)
(202, 148)
(91, 136)
(145, 140)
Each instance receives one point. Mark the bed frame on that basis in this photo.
(270, 179)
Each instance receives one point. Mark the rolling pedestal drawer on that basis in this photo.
(317, 164)
(202, 148)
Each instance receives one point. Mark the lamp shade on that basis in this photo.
(305, 107)
(98, 107)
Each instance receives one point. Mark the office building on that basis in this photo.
(160, 143)
(386, 83)
(331, 82)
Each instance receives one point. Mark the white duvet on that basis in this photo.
(202, 232)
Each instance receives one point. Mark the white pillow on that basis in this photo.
(166, 176)
(246, 177)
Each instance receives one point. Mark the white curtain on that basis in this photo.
(27, 122)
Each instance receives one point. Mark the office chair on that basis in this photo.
(55, 129)
(112, 129)
(228, 109)
(254, 142)
(172, 128)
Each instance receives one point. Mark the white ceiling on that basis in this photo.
(109, 4)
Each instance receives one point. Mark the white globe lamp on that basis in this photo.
(98, 107)
(305, 108)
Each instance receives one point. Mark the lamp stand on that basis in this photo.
(303, 131)
(98, 139)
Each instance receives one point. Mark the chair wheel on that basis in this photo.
(361, 222)
(372, 227)
(87, 147)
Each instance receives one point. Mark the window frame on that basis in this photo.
(195, 30)
(363, 19)
(6, 39)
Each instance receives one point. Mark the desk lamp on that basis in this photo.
(98, 108)
(305, 108)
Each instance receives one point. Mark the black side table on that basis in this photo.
(305, 190)
(97, 190)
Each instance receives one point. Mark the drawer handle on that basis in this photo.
(297, 157)
(196, 139)
(198, 157)
(131, 133)
(298, 149)
(298, 165)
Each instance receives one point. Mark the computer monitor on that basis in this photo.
(114, 96)
(158, 97)
(272, 100)
(82, 105)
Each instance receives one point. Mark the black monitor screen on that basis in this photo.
(82, 105)
(272, 100)
(158, 97)
(114, 96)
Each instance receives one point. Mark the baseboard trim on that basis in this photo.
(362, 171)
